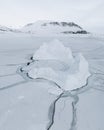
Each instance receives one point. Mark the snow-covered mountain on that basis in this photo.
(47, 28)
(53, 28)
(7, 29)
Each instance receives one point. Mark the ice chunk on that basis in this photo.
(77, 78)
(69, 78)
(54, 50)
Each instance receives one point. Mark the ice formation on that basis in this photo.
(54, 50)
(56, 63)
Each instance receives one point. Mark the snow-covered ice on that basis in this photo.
(40, 104)
(73, 71)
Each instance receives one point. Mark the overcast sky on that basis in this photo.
(87, 13)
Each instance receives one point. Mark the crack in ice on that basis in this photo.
(8, 75)
(52, 111)
(74, 109)
(12, 85)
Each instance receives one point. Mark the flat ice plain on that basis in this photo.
(35, 104)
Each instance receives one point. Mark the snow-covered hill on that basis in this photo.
(4, 29)
(53, 28)
(47, 28)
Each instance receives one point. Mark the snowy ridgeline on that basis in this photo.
(47, 28)
(53, 61)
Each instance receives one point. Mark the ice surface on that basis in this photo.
(28, 105)
(73, 76)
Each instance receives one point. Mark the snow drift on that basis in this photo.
(55, 62)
